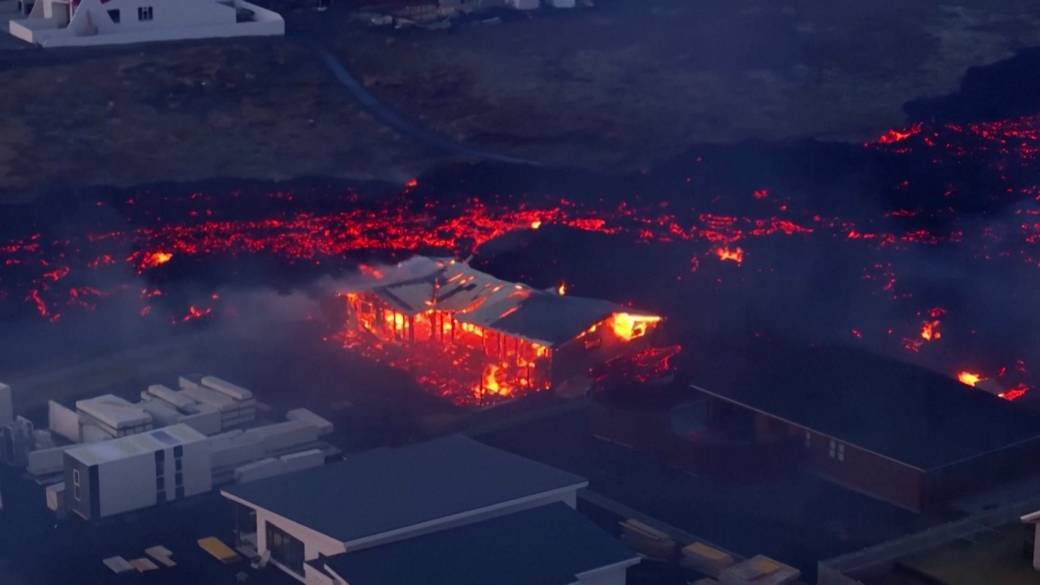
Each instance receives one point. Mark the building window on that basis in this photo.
(75, 484)
(837, 450)
(285, 549)
(114, 15)
(144, 13)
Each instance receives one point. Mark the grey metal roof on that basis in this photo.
(391, 488)
(549, 545)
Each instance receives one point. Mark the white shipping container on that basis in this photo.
(303, 460)
(63, 421)
(46, 461)
(244, 450)
(262, 469)
(284, 436)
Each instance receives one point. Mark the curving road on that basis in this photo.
(392, 119)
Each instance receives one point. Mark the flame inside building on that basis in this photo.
(478, 340)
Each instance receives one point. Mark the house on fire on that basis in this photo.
(892, 430)
(453, 325)
(78, 23)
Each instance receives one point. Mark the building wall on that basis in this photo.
(165, 14)
(131, 483)
(84, 500)
(127, 484)
(315, 543)
(1005, 465)
(853, 467)
(92, 23)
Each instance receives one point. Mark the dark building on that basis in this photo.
(889, 429)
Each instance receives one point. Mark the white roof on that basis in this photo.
(133, 445)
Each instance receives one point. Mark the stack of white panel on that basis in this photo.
(178, 400)
(236, 405)
(284, 436)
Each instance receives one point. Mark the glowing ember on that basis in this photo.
(562, 289)
(536, 224)
(968, 378)
(153, 260)
(730, 254)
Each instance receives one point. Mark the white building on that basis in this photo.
(302, 521)
(68, 23)
(137, 471)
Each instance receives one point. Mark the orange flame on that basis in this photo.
(628, 327)
(156, 259)
(536, 224)
(968, 378)
(930, 331)
(562, 289)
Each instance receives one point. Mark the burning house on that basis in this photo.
(477, 339)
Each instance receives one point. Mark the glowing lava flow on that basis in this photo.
(51, 274)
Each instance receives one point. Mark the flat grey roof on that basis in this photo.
(391, 488)
(548, 545)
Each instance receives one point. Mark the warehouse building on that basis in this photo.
(549, 545)
(137, 471)
(386, 496)
(889, 429)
